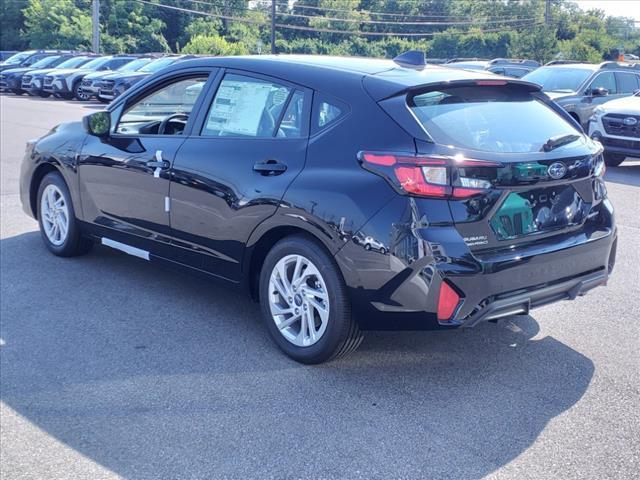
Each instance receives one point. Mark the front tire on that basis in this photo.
(305, 304)
(78, 94)
(56, 216)
(613, 159)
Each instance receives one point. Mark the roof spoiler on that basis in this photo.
(412, 59)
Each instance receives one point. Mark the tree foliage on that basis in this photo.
(378, 28)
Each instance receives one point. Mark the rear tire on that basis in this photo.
(613, 159)
(17, 91)
(318, 293)
(44, 94)
(56, 216)
(64, 96)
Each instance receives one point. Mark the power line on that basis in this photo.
(337, 31)
(391, 22)
(342, 10)
(206, 14)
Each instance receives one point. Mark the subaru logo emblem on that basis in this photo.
(557, 170)
(630, 121)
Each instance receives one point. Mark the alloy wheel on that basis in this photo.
(55, 215)
(298, 300)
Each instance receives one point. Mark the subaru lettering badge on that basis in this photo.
(630, 121)
(557, 170)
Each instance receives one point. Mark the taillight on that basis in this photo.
(427, 176)
(448, 301)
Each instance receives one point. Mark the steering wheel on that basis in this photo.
(163, 125)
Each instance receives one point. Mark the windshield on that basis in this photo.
(46, 61)
(73, 62)
(158, 64)
(489, 119)
(135, 65)
(17, 58)
(558, 79)
(96, 63)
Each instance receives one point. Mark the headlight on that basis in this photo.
(597, 112)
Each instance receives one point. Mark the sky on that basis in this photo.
(617, 8)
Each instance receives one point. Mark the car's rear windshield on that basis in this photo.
(558, 79)
(488, 118)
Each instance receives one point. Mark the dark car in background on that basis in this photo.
(343, 193)
(4, 54)
(91, 83)
(28, 58)
(33, 80)
(115, 84)
(67, 83)
(580, 87)
(11, 79)
(509, 67)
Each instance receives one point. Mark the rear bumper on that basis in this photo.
(521, 303)
(398, 289)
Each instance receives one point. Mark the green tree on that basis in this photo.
(540, 44)
(11, 21)
(213, 45)
(57, 24)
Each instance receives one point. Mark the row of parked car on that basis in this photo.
(78, 75)
(586, 91)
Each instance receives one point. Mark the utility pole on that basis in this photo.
(547, 12)
(95, 19)
(273, 27)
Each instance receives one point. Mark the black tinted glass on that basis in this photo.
(490, 119)
(627, 82)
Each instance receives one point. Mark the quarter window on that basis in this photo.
(326, 112)
(165, 111)
(250, 107)
(604, 80)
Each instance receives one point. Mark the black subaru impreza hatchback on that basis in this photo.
(344, 194)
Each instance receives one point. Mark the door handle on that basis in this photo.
(270, 167)
(158, 164)
(162, 165)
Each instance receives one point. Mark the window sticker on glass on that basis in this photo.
(239, 107)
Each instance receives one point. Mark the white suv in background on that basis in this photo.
(616, 124)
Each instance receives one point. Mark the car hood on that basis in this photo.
(625, 106)
(559, 95)
(101, 74)
(126, 76)
(43, 71)
(11, 71)
(69, 71)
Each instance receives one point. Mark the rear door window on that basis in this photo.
(489, 119)
(250, 107)
(627, 82)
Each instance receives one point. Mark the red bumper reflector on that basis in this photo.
(447, 301)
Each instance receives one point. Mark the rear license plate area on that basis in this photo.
(539, 210)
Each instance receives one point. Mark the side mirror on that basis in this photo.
(599, 92)
(98, 124)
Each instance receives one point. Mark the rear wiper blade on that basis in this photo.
(558, 141)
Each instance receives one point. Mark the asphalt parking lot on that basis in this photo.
(112, 367)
